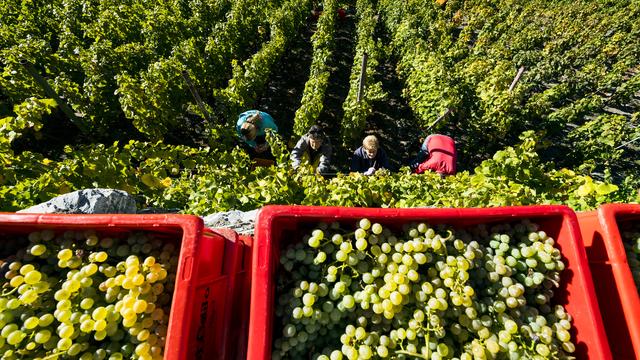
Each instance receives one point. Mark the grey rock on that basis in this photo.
(87, 201)
(241, 222)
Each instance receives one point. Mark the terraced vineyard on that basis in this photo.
(93, 94)
(543, 99)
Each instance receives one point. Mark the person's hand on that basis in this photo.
(262, 148)
(371, 171)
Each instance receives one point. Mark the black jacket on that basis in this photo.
(360, 162)
(322, 155)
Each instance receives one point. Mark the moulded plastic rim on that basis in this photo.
(191, 227)
(262, 262)
(622, 272)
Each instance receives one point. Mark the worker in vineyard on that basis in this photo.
(251, 127)
(437, 153)
(314, 147)
(369, 157)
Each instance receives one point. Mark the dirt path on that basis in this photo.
(393, 121)
(338, 89)
(284, 89)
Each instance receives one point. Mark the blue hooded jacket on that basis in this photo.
(267, 123)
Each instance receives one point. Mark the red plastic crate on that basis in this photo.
(238, 327)
(278, 226)
(201, 265)
(214, 295)
(615, 287)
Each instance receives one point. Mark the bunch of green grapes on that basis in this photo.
(76, 295)
(631, 241)
(429, 293)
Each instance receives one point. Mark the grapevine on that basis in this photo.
(315, 87)
(356, 112)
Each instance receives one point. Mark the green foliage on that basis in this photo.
(146, 169)
(514, 176)
(463, 57)
(356, 112)
(134, 49)
(119, 64)
(250, 77)
(28, 116)
(598, 138)
(315, 87)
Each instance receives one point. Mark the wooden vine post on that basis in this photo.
(516, 79)
(361, 79)
(196, 96)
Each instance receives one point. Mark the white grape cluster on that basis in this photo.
(631, 241)
(430, 293)
(75, 295)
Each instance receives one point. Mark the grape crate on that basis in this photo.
(493, 283)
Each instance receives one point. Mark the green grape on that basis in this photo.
(65, 255)
(31, 323)
(308, 299)
(38, 249)
(320, 258)
(32, 277)
(382, 351)
(42, 299)
(25, 269)
(364, 224)
(16, 281)
(65, 331)
(364, 352)
(314, 242)
(289, 331)
(348, 301)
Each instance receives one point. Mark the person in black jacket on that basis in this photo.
(315, 147)
(369, 158)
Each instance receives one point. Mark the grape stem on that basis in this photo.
(404, 352)
(348, 235)
(10, 292)
(427, 336)
(54, 355)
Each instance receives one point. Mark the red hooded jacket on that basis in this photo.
(441, 155)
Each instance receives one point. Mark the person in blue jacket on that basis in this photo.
(251, 127)
(369, 157)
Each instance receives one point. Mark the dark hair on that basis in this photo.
(316, 132)
(245, 131)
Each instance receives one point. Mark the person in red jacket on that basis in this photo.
(437, 153)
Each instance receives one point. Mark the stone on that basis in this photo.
(87, 201)
(241, 222)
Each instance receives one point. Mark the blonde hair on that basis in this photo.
(370, 142)
(251, 124)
